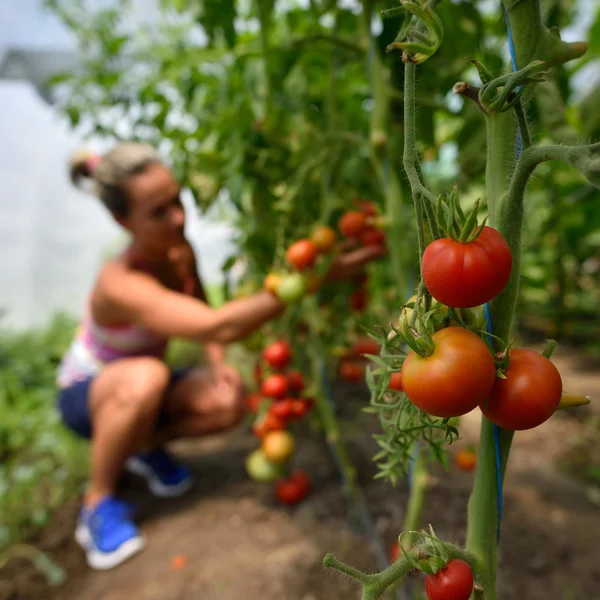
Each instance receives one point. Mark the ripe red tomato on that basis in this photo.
(253, 401)
(395, 552)
(528, 396)
(278, 354)
(300, 407)
(352, 370)
(467, 275)
(359, 299)
(366, 208)
(395, 381)
(453, 582)
(323, 238)
(466, 460)
(274, 386)
(295, 381)
(352, 223)
(283, 409)
(293, 490)
(454, 379)
(365, 346)
(372, 237)
(302, 254)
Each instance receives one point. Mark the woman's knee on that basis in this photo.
(138, 386)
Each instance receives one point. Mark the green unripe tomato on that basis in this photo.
(292, 288)
(260, 468)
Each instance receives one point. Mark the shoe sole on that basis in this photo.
(102, 561)
(157, 487)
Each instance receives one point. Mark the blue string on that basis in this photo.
(513, 59)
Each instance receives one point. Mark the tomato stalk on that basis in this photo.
(382, 151)
(505, 206)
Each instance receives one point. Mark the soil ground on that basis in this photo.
(240, 544)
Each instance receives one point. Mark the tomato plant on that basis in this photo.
(395, 381)
(293, 490)
(352, 223)
(278, 446)
(292, 287)
(468, 274)
(351, 370)
(528, 396)
(453, 582)
(274, 386)
(324, 239)
(295, 381)
(466, 459)
(278, 354)
(260, 468)
(454, 379)
(302, 254)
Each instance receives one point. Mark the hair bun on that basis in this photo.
(82, 165)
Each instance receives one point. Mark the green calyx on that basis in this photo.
(457, 225)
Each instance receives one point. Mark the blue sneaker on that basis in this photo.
(107, 534)
(165, 477)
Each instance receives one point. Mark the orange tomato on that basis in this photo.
(324, 238)
(466, 460)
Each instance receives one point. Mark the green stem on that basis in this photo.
(416, 501)
(264, 17)
(414, 179)
(523, 126)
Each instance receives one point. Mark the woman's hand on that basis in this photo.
(349, 263)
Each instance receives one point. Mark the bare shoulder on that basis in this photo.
(117, 286)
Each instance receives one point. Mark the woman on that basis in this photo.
(114, 386)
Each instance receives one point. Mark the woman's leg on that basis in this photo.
(124, 401)
(199, 405)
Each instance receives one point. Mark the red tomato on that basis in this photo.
(466, 460)
(366, 208)
(300, 408)
(395, 381)
(467, 275)
(528, 396)
(352, 223)
(395, 552)
(302, 254)
(269, 423)
(293, 490)
(283, 409)
(278, 354)
(352, 370)
(274, 386)
(359, 299)
(454, 379)
(323, 238)
(295, 381)
(453, 582)
(253, 401)
(372, 237)
(365, 346)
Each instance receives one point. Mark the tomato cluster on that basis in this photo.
(276, 403)
(362, 225)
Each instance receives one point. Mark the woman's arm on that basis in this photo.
(139, 298)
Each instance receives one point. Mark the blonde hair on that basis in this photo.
(108, 173)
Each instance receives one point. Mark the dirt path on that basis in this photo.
(241, 545)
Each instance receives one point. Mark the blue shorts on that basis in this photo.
(73, 404)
